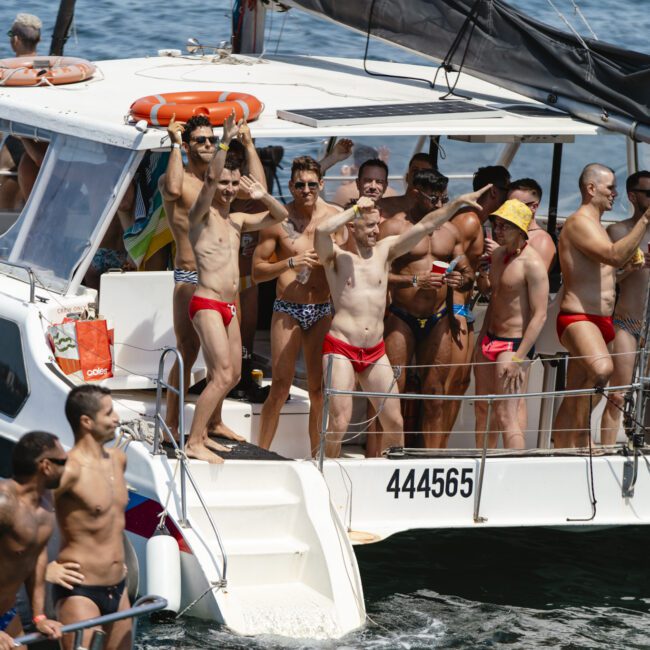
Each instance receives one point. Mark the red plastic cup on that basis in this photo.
(439, 267)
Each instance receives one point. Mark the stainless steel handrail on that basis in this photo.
(161, 425)
(142, 606)
(30, 273)
(485, 397)
(489, 398)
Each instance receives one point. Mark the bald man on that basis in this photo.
(589, 260)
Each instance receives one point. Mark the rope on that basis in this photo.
(196, 600)
(592, 495)
(578, 11)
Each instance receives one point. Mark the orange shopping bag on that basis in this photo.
(83, 348)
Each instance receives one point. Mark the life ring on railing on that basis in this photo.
(44, 70)
(158, 110)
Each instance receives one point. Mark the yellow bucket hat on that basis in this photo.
(516, 212)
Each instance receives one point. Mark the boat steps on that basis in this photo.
(291, 568)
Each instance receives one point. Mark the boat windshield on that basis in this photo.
(76, 188)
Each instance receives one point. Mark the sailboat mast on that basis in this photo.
(62, 27)
(248, 18)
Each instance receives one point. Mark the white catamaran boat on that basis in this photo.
(266, 539)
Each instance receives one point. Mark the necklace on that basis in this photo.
(508, 257)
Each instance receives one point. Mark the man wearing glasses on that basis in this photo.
(629, 316)
(302, 310)
(528, 191)
(418, 323)
(589, 260)
(25, 34)
(26, 523)
(179, 187)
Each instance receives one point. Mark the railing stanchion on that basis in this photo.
(481, 473)
(163, 429)
(326, 405)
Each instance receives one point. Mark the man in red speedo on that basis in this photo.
(215, 235)
(358, 284)
(589, 260)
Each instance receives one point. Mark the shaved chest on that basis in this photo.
(512, 279)
(216, 234)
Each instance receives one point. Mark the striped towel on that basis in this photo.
(150, 232)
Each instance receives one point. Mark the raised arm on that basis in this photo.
(590, 241)
(255, 167)
(275, 213)
(431, 221)
(323, 242)
(341, 150)
(171, 183)
(203, 201)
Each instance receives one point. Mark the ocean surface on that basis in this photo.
(478, 589)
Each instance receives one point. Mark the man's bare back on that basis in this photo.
(26, 524)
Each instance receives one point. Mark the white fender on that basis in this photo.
(164, 570)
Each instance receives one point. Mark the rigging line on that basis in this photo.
(576, 34)
(446, 62)
(578, 11)
(284, 20)
(592, 488)
(429, 83)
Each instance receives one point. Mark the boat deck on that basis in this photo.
(239, 450)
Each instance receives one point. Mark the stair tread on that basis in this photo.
(267, 546)
(226, 500)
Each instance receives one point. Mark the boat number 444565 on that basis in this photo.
(433, 482)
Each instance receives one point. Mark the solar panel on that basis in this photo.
(381, 113)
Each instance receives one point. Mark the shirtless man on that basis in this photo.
(628, 314)
(26, 523)
(589, 261)
(179, 188)
(90, 506)
(215, 235)
(358, 283)
(470, 225)
(528, 191)
(417, 319)
(515, 317)
(392, 205)
(302, 310)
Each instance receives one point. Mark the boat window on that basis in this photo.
(75, 188)
(13, 378)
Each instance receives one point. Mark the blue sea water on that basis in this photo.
(487, 589)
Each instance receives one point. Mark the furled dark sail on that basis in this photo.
(495, 42)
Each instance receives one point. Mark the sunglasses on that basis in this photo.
(57, 461)
(300, 185)
(646, 193)
(201, 139)
(10, 34)
(436, 198)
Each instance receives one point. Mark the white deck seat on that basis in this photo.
(139, 306)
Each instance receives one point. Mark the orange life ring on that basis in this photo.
(158, 110)
(43, 70)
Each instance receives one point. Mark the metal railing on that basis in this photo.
(142, 606)
(328, 391)
(161, 428)
(30, 274)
